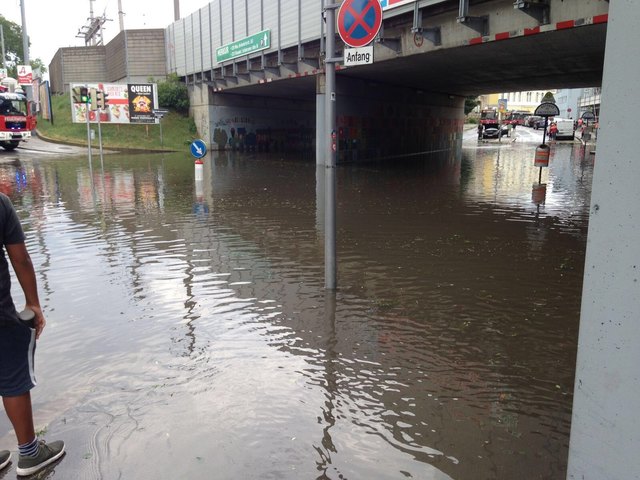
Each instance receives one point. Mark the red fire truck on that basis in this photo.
(515, 117)
(16, 121)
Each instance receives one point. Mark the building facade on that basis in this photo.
(572, 103)
(516, 101)
(133, 56)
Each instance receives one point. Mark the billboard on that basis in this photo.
(122, 103)
(143, 100)
(45, 99)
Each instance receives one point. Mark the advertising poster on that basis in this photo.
(45, 101)
(118, 104)
(142, 102)
(25, 75)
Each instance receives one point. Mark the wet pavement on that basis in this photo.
(36, 148)
(190, 336)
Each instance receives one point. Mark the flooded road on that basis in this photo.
(190, 336)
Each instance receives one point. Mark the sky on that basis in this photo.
(52, 25)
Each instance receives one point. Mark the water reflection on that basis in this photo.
(189, 319)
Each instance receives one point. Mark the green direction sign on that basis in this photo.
(254, 43)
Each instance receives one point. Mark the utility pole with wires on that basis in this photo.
(92, 33)
(25, 47)
(120, 15)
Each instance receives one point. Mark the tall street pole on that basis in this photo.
(25, 46)
(120, 16)
(330, 281)
(4, 55)
(176, 10)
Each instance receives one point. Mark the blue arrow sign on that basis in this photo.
(198, 148)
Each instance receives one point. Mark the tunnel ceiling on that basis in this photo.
(570, 58)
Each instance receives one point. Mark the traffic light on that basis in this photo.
(80, 95)
(84, 95)
(93, 94)
(76, 94)
(101, 99)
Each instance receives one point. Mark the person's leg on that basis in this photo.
(21, 416)
(35, 454)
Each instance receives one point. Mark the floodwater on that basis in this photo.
(190, 335)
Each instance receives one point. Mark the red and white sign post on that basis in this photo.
(25, 75)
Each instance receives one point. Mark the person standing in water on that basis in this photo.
(18, 334)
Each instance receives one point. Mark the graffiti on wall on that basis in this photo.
(252, 129)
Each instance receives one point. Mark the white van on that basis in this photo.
(565, 128)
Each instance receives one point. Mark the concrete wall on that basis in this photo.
(132, 56)
(117, 58)
(200, 110)
(605, 428)
(145, 50)
(76, 65)
(239, 122)
(373, 121)
(379, 121)
(56, 72)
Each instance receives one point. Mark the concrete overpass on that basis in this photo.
(428, 56)
(423, 44)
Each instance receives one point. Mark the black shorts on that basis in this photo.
(17, 349)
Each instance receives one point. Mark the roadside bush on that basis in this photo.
(173, 94)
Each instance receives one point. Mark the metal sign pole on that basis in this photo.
(86, 111)
(330, 281)
(159, 113)
(100, 137)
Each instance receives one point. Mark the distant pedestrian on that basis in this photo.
(553, 130)
(480, 129)
(17, 347)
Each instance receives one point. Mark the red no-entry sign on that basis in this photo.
(359, 21)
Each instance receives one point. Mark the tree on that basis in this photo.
(13, 47)
(12, 41)
(38, 64)
(470, 103)
(172, 93)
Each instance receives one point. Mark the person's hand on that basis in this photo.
(39, 321)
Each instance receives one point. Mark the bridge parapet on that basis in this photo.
(296, 44)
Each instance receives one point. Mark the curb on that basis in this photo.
(110, 149)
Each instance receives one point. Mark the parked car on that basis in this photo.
(491, 131)
(532, 120)
(539, 123)
(565, 128)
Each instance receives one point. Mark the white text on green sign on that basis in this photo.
(254, 43)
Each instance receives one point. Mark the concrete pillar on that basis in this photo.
(605, 430)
